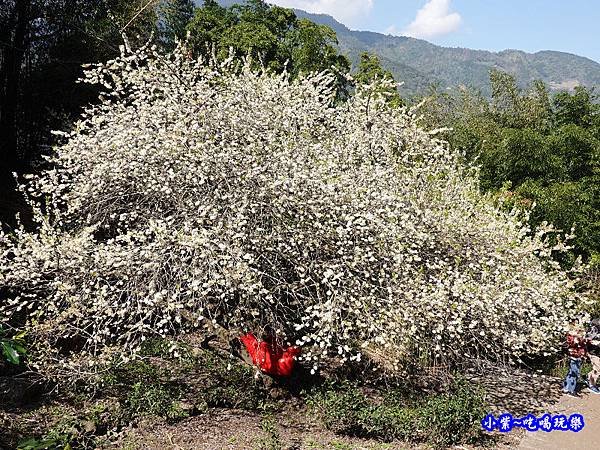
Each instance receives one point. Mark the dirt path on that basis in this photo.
(521, 393)
(587, 405)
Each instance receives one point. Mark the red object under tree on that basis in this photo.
(270, 357)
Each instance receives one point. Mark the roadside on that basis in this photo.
(587, 405)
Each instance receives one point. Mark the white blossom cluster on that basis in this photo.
(195, 193)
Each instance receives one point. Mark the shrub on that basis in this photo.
(154, 400)
(441, 420)
(196, 193)
(454, 417)
(390, 422)
(339, 408)
(12, 348)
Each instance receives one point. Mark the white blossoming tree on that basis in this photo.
(196, 193)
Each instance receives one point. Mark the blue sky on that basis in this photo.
(531, 25)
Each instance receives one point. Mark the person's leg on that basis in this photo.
(595, 372)
(570, 383)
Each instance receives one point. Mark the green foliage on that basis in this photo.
(155, 347)
(51, 443)
(228, 383)
(577, 150)
(130, 373)
(339, 407)
(84, 429)
(370, 70)
(313, 49)
(219, 381)
(174, 17)
(440, 419)
(520, 156)
(390, 422)
(547, 149)
(272, 438)
(13, 348)
(579, 108)
(513, 108)
(454, 417)
(154, 400)
(274, 36)
(146, 390)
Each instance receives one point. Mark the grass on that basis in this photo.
(440, 420)
(272, 438)
(171, 388)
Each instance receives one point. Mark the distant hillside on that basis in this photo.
(419, 63)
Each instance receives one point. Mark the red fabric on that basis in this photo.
(576, 345)
(270, 357)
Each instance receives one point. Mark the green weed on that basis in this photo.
(272, 438)
(440, 420)
(13, 348)
(154, 400)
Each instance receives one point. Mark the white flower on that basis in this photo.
(187, 195)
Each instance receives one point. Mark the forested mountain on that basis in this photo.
(419, 63)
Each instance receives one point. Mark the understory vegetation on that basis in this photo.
(438, 419)
(161, 388)
(155, 387)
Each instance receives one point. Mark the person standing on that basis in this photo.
(577, 349)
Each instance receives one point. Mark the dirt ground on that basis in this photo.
(508, 391)
(513, 391)
(243, 430)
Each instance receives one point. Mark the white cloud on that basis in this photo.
(392, 29)
(349, 12)
(433, 19)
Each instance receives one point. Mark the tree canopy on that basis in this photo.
(174, 16)
(43, 44)
(543, 148)
(370, 70)
(274, 36)
(196, 195)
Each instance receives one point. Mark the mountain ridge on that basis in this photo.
(419, 63)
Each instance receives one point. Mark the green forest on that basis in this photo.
(180, 181)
